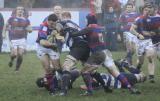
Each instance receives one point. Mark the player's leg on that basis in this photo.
(111, 67)
(20, 52)
(140, 53)
(45, 60)
(129, 46)
(93, 62)
(75, 73)
(68, 64)
(13, 55)
(76, 53)
(150, 54)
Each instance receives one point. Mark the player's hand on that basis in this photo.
(29, 29)
(54, 47)
(140, 36)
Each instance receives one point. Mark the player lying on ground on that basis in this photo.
(112, 82)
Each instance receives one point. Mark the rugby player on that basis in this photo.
(18, 26)
(141, 29)
(47, 49)
(99, 55)
(126, 20)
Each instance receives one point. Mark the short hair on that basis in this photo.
(53, 17)
(66, 14)
(129, 4)
(147, 5)
(91, 19)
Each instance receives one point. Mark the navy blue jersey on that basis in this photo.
(69, 28)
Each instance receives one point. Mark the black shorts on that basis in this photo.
(80, 53)
(96, 58)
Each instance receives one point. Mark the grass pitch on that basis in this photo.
(21, 86)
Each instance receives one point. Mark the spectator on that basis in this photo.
(97, 9)
(114, 3)
(111, 26)
(1, 28)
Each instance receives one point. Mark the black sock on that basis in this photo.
(129, 57)
(65, 81)
(151, 76)
(12, 58)
(74, 75)
(88, 81)
(19, 62)
(98, 78)
(139, 66)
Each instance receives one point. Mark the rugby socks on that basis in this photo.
(65, 81)
(98, 78)
(19, 62)
(134, 70)
(139, 66)
(88, 81)
(124, 81)
(74, 75)
(129, 57)
(11, 61)
(151, 78)
(50, 81)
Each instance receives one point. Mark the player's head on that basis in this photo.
(40, 82)
(20, 11)
(129, 7)
(152, 10)
(146, 9)
(57, 10)
(91, 19)
(66, 16)
(52, 20)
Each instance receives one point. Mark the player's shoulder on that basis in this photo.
(43, 26)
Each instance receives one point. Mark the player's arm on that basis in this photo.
(82, 32)
(148, 33)
(29, 27)
(47, 44)
(133, 31)
(5, 27)
(43, 40)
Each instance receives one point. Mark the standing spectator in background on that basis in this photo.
(97, 10)
(1, 29)
(111, 26)
(114, 3)
(18, 25)
(123, 3)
